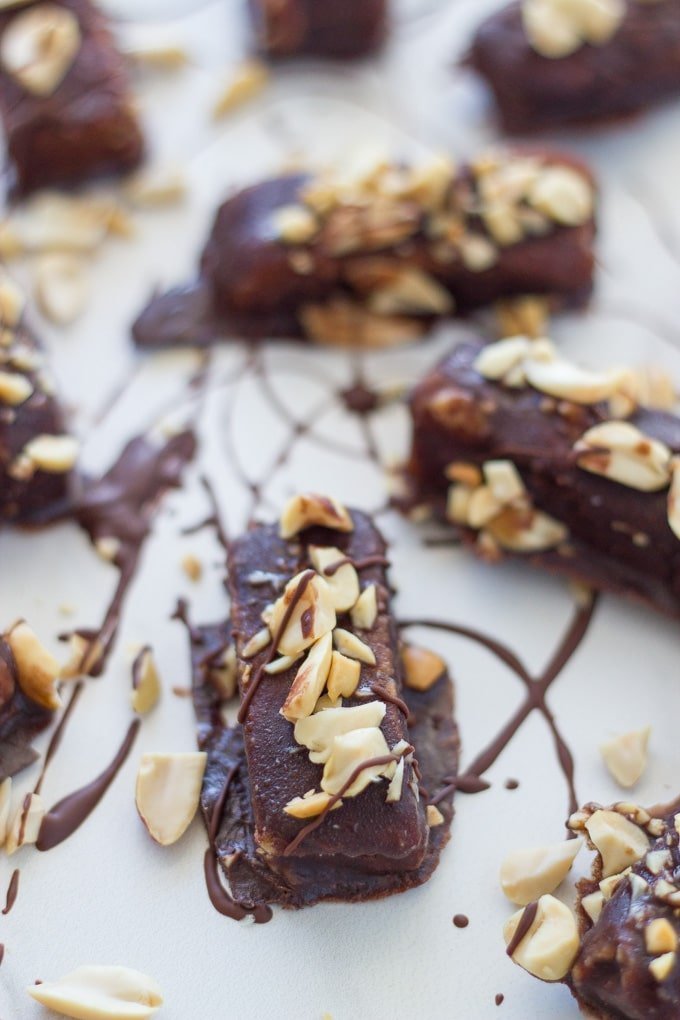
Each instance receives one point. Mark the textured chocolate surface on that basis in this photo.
(637, 67)
(334, 28)
(302, 881)
(488, 421)
(87, 127)
(251, 283)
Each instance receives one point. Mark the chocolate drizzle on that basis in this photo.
(69, 814)
(12, 891)
(120, 506)
(259, 673)
(536, 690)
(392, 699)
(522, 930)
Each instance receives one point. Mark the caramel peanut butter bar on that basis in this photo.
(575, 470)
(619, 958)
(64, 95)
(321, 790)
(28, 696)
(555, 62)
(341, 29)
(374, 259)
(36, 456)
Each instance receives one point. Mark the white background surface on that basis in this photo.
(109, 895)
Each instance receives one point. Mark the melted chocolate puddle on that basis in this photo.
(69, 814)
(120, 506)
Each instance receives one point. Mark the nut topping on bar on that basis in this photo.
(348, 752)
(630, 917)
(365, 611)
(549, 945)
(318, 731)
(343, 678)
(660, 937)
(352, 646)
(343, 581)
(557, 28)
(310, 681)
(310, 805)
(518, 361)
(39, 46)
(621, 452)
(305, 510)
(368, 260)
(619, 841)
(502, 509)
(313, 614)
(563, 195)
(54, 454)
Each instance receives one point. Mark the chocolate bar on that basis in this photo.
(341, 29)
(620, 958)
(373, 260)
(320, 790)
(574, 470)
(36, 456)
(627, 964)
(64, 96)
(549, 63)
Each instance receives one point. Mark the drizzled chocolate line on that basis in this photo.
(470, 781)
(56, 738)
(522, 930)
(222, 901)
(392, 699)
(24, 818)
(121, 505)
(12, 891)
(181, 613)
(257, 677)
(384, 759)
(68, 814)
